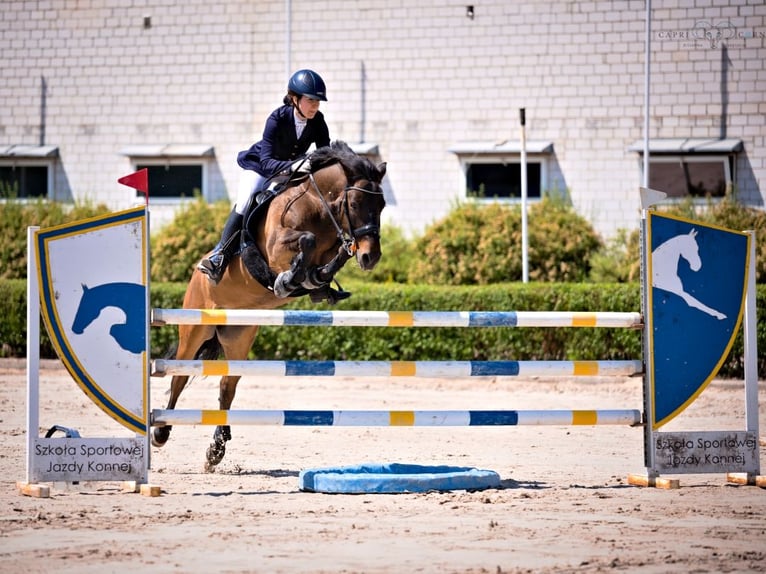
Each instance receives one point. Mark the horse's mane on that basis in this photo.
(355, 166)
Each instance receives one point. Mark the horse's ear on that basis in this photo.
(382, 170)
(693, 232)
(84, 287)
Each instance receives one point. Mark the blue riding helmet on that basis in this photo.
(308, 83)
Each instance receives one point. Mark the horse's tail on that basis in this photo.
(210, 350)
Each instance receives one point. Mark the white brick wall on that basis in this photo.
(210, 71)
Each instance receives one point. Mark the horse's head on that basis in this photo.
(315, 226)
(363, 205)
(360, 200)
(690, 250)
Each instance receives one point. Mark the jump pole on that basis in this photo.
(277, 317)
(449, 369)
(382, 418)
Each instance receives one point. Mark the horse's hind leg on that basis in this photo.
(217, 449)
(236, 342)
(190, 340)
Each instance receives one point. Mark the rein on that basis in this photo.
(348, 241)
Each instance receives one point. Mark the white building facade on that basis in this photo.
(91, 90)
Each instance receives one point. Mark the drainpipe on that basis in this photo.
(288, 36)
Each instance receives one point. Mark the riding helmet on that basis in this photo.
(307, 83)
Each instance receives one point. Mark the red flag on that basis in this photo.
(138, 181)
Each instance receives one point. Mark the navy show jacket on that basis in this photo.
(279, 146)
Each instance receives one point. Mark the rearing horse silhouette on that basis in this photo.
(665, 260)
(130, 298)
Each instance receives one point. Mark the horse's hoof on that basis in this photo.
(283, 286)
(327, 293)
(215, 453)
(334, 296)
(160, 436)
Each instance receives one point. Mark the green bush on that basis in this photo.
(473, 244)
(561, 243)
(482, 244)
(17, 215)
(421, 344)
(619, 260)
(398, 256)
(179, 245)
(447, 250)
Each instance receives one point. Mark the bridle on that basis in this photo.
(348, 239)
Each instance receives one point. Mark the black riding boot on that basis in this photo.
(215, 264)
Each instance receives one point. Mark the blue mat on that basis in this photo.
(395, 478)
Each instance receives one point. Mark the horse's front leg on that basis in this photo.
(288, 281)
(326, 273)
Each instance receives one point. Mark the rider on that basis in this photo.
(289, 132)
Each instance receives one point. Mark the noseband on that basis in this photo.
(348, 240)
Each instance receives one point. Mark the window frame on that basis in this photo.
(538, 159)
(169, 156)
(32, 156)
(505, 152)
(691, 150)
(26, 163)
(727, 160)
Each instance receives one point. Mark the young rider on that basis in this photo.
(289, 132)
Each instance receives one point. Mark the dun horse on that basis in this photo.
(293, 245)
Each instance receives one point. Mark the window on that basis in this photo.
(174, 171)
(169, 180)
(494, 171)
(502, 180)
(27, 171)
(683, 176)
(695, 168)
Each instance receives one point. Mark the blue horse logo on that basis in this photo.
(130, 298)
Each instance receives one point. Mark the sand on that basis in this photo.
(564, 504)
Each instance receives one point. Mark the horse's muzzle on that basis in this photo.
(367, 240)
(368, 252)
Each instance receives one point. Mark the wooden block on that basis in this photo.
(667, 483)
(35, 490)
(638, 480)
(150, 490)
(130, 486)
(748, 479)
(740, 478)
(644, 480)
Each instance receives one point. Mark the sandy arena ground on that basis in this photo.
(564, 505)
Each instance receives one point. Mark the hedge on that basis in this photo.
(409, 344)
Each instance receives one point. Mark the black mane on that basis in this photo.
(355, 166)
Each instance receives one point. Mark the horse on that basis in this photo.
(665, 260)
(293, 243)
